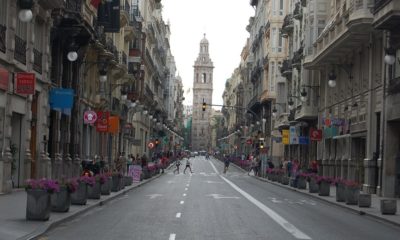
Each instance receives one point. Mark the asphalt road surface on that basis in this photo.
(210, 205)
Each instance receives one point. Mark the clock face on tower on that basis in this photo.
(202, 97)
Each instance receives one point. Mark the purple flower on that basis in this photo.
(46, 184)
(88, 180)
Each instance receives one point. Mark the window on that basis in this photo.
(39, 32)
(202, 116)
(203, 78)
(272, 77)
(3, 13)
(280, 7)
(280, 43)
(273, 38)
(397, 64)
(274, 7)
(197, 77)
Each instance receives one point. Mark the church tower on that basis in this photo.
(202, 91)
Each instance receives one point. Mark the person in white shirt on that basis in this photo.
(188, 165)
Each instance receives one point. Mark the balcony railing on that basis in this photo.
(287, 26)
(20, 50)
(3, 38)
(379, 4)
(73, 5)
(286, 68)
(37, 61)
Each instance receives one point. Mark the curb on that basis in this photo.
(42, 230)
(359, 212)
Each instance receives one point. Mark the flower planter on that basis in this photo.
(301, 183)
(352, 195)
(121, 183)
(285, 180)
(388, 206)
(105, 188)
(115, 184)
(340, 192)
(364, 200)
(79, 197)
(324, 188)
(128, 180)
(313, 186)
(94, 191)
(61, 201)
(293, 182)
(38, 205)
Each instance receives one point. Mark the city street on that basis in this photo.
(210, 205)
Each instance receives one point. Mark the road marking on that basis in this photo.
(178, 215)
(186, 189)
(170, 182)
(212, 182)
(152, 196)
(220, 196)
(184, 194)
(187, 185)
(182, 202)
(272, 214)
(172, 236)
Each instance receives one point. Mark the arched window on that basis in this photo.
(197, 77)
(203, 77)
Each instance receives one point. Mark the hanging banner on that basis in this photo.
(102, 121)
(285, 136)
(113, 124)
(294, 138)
(25, 83)
(304, 140)
(4, 79)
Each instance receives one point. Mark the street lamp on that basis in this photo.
(332, 79)
(390, 57)
(291, 104)
(25, 13)
(303, 95)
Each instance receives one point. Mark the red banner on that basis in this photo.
(102, 121)
(315, 134)
(25, 83)
(4, 79)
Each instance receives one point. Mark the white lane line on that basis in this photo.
(184, 194)
(172, 236)
(271, 213)
(186, 189)
(182, 202)
(178, 215)
(187, 185)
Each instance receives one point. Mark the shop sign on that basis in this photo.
(315, 134)
(4, 79)
(89, 117)
(294, 138)
(113, 124)
(102, 121)
(304, 140)
(285, 136)
(25, 83)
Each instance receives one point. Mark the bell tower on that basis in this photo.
(202, 91)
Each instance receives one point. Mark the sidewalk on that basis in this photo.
(373, 211)
(13, 224)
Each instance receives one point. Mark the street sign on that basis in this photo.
(25, 83)
(315, 134)
(89, 117)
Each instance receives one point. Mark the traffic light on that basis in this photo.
(261, 144)
(204, 106)
(157, 142)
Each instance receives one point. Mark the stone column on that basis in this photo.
(45, 166)
(56, 174)
(76, 166)
(5, 174)
(67, 166)
(27, 164)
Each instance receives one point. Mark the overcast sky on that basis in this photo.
(224, 23)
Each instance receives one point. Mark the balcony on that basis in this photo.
(3, 38)
(386, 14)
(286, 68)
(349, 28)
(37, 61)
(394, 86)
(298, 12)
(20, 50)
(297, 57)
(287, 26)
(73, 6)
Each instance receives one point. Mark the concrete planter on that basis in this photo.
(301, 183)
(61, 201)
(352, 195)
(388, 206)
(340, 192)
(364, 200)
(94, 191)
(105, 188)
(115, 184)
(128, 180)
(313, 186)
(293, 182)
(79, 197)
(285, 180)
(38, 205)
(324, 188)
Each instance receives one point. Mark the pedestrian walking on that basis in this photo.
(226, 164)
(177, 164)
(188, 165)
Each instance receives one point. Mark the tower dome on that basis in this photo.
(204, 40)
